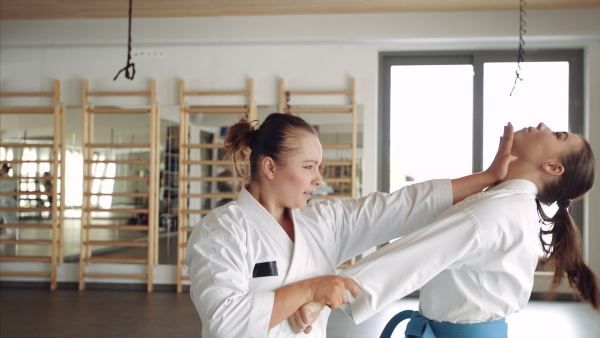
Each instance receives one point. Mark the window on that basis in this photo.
(430, 103)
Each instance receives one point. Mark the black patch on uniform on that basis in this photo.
(265, 269)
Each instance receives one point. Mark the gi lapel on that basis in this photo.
(260, 217)
(298, 265)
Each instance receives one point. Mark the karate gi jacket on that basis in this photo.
(8, 185)
(474, 264)
(238, 255)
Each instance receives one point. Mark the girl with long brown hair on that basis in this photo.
(475, 264)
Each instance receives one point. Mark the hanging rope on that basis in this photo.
(130, 65)
(522, 31)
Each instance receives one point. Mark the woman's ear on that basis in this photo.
(552, 168)
(268, 167)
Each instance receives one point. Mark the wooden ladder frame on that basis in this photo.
(58, 199)
(285, 108)
(184, 146)
(87, 221)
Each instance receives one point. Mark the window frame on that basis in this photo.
(575, 58)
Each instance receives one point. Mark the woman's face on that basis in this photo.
(300, 176)
(540, 144)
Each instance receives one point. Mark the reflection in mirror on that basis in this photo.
(26, 157)
(204, 128)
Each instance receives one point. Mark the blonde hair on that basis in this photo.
(277, 137)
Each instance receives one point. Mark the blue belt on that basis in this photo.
(421, 327)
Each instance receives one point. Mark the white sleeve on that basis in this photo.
(405, 265)
(379, 217)
(220, 288)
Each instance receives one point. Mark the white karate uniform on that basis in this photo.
(8, 217)
(225, 248)
(474, 264)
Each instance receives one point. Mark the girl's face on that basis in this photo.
(300, 176)
(540, 144)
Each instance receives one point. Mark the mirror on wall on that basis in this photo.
(205, 128)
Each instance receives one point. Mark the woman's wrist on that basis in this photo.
(469, 185)
(487, 178)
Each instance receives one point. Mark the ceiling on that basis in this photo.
(79, 9)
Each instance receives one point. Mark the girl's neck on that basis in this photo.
(267, 200)
(523, 171)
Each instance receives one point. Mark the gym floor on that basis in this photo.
(36, 312)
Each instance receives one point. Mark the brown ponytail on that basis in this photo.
(278, 137)
(565, 248)
(237, 144)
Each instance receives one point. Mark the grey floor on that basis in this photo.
(110, 313)
(39, 312)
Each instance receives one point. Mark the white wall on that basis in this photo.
(309, 52)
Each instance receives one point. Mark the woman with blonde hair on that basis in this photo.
(254, 261)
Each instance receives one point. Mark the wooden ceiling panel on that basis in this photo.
(78, 9)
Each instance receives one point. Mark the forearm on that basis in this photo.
(326, 290)
(455, 232)
(288, 299)
(466, 186)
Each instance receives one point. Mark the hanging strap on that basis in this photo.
(130, 65)
(422, 327)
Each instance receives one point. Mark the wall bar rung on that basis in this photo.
(22, 178)
(25, 209)
(27, 94)
(26, 241)
(207, 162)
(25, 274)
(26, 145)
(119, 178)
(118, 260)
(319, 92)
(30, 161)
(216, 93)
(145, 93)
(118, 243)
(213, 195)
(25, 258)
(204, 146)
(217, 110)
(117, 162)
(119, 194)
(115, 275)
(19, 193)
(124, 227)
(118, 145)
(213, 179)
(118, 111)
(26, 110)
(26, 226)
(124, 211)
(195, 212)
(320, 110)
